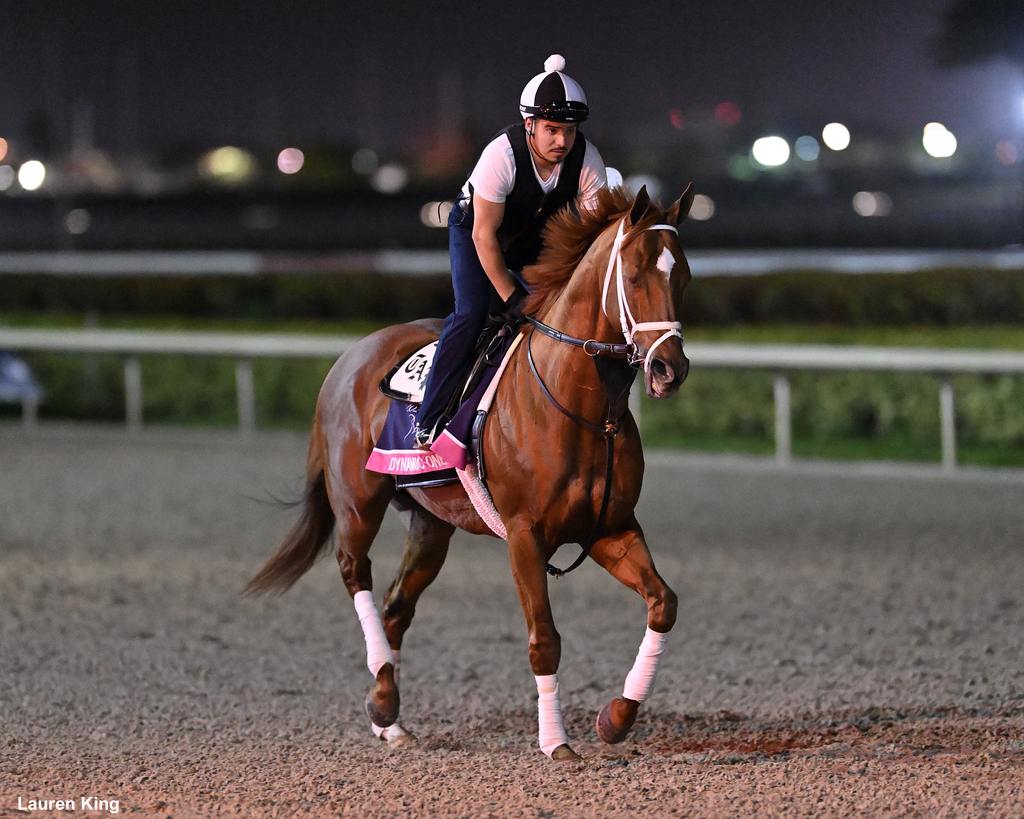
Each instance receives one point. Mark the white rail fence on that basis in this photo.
(781, 359)
(753, 262)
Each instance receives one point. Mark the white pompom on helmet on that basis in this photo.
(553, 95)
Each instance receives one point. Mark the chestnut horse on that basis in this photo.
(607, 276)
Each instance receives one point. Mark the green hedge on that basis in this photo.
(865, 406)
(188, 390)
(943, 297)
(877, 414)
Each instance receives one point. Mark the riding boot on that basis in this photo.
(454, 354)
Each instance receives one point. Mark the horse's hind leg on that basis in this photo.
(360, 499)
(426, 547)
(628, 560)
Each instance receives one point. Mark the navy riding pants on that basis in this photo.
(461, 329)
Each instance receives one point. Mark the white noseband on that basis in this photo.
(630, 326)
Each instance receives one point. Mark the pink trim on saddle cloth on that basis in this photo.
(448, 452)
(451, 449)
(406, 461)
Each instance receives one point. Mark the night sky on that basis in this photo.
(157, 75)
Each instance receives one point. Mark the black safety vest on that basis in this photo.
(527, 207)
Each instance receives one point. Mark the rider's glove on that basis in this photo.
(512, 307)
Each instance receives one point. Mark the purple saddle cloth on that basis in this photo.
(395, 451)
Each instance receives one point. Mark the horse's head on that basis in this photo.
(642, 295)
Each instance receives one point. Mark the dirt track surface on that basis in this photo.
(846, 644)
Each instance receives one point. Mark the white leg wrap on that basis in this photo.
(640, 679)
(391, 733)
(550, 731)
(378, 652)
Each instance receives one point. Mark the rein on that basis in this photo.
(616, 401)
(610, 429)
(590, 346)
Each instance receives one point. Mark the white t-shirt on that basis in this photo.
(495, 173)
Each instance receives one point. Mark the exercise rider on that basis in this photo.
(525, 174)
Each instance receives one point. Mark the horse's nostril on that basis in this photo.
(659, 368)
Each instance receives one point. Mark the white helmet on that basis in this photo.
(553, 95)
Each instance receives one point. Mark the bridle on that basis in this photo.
(630, 326)
(617, 397)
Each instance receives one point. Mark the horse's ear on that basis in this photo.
(681, 208)
(641, 203)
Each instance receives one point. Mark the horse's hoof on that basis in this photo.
(402, 739)
(382, 700)
(394, 735)
(563, 753)
(615, 720)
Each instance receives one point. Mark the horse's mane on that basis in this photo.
(567, 237)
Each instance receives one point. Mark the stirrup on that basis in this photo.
(423, 437)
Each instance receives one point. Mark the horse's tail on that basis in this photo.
(306, 539)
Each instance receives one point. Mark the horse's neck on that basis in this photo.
(577, 310)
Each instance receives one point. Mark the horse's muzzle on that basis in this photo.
(665, 376)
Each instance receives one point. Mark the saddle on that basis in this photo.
(406, 381)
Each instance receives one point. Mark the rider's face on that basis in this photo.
(553, 140)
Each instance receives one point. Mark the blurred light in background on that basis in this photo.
(228, 164)
(31, 175)
(938, 141)
(872, 203)
(290, 160)
(728, 113)
(7, 177)
(771, 151)
(740, 167)
(3, 148)
(614, 177)
(390, 178)
(1006, 153)
(435, 214)
(675, 117)
(836, 136)
(77, 221)
(703, 208)
(807, 148)
(365, 161)
(637, 181)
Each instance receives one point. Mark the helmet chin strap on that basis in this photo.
(630, 326)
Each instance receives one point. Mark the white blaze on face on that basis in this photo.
(666, 261)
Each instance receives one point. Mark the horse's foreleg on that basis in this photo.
(426, 547)
(628, 560)
(528, 561)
